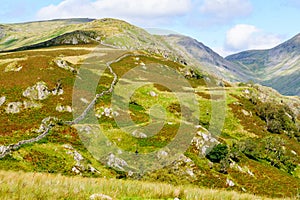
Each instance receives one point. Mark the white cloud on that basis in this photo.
(222, 52)
(244, 37)
(223, 10)
(132, 10)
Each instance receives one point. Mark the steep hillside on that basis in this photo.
(277, 67)
(201, 55)
(61, 103)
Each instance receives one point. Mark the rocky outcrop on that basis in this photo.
(106, 112)
(64, 65)
(45, 124)
(80, 165)
(72, 38)
(184, 167)
(115, 162)
(13, 67)
(37, 92)
(203, 142)
(230, 183)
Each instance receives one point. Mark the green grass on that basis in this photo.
(48, 155)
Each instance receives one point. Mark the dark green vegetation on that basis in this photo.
(258, 148)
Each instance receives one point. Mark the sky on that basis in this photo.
(226, 26)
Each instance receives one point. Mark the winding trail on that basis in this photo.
(5, 150)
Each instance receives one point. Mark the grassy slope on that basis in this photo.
(49, 155)
(20, 185)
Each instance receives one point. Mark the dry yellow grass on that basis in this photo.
(20, 185)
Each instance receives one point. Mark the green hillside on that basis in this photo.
(277, 67)
(57, 96)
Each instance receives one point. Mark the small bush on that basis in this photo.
(218, 153)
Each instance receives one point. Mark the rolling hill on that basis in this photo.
(63, 86)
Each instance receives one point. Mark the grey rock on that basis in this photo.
(62, 108)
(230, 183)
(64, 65)
(246, 113)
(152, 94)
(13, 67)
(138, 134)
(116, 162)
(2, 100)
(100, 197)
(37, 92)
(13, 107)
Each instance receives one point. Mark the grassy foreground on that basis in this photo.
(21, 185)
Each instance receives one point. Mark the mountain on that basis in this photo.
(62, 87)
(205, 58)
(277, 67)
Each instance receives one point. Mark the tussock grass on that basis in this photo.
(20, 185)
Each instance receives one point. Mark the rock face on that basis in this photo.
(37, 92)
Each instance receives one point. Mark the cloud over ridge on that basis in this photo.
(128, 9)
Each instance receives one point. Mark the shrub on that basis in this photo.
(218, 153)
(278, 118)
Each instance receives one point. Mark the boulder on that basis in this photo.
(13, 107)
(62, 108)
(64, 65)
(230, 183)
(100, 197)
(152, 94)
(246, 113)
(2, 100)
(37, 92)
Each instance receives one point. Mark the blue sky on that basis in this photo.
(227, 26)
